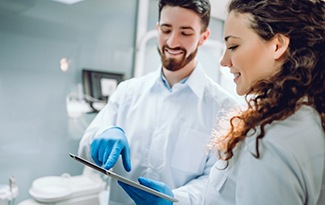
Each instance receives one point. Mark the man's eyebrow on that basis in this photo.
(182, 27)
(187, 27)
(166, 25)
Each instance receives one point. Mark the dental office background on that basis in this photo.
(44, 46)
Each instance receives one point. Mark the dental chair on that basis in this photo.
(90, 188)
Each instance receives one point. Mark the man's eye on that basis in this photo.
(165, 30)
(187, 34)
(231, 48)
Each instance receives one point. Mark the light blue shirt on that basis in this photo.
(164, 80)
(168, 131)
(290, 170)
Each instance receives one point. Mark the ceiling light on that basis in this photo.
(68, 1)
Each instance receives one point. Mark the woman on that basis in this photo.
(274, 152)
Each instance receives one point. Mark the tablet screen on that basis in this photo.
(122, 179)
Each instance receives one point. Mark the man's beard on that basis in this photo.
(172, 64)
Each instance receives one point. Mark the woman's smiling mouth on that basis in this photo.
(236, 75)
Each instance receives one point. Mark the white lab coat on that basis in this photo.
(290, 170)
(168, 132)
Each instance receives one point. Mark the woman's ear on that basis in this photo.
(281, 44)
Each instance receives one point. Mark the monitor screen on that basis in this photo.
(99, 85)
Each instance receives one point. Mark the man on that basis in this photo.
(161, 122)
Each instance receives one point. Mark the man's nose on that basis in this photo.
(173, 40)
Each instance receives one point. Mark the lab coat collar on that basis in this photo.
(156, 78)
(197, 81)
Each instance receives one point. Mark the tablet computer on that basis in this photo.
(122, 179)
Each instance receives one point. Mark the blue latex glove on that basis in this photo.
(144, 198)
(108, 146)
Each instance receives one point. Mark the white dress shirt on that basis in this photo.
(168, 131)
(290, 170)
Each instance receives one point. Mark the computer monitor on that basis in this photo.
(99, 85)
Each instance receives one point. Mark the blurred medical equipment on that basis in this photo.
(89, 98)
(99, 85)
(93, 93)
(8, 193)
(88, 188)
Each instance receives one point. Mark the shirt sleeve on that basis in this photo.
(192, 193)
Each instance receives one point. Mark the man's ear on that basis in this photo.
(281, 44)
(204, 36)
(157, 26)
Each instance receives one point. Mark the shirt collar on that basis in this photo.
(166, 84)
(196, 81)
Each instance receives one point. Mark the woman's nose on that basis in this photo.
(225, 60)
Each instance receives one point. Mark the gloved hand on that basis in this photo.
(143, 198)
(108, 146)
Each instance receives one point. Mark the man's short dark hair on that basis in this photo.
(201, 7)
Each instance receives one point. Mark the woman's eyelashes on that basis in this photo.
(232, 48)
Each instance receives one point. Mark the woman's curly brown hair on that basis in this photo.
(301, 78)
